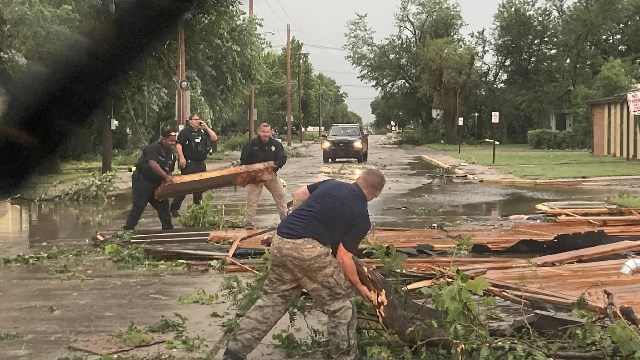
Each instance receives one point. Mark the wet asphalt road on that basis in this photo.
(98, 300)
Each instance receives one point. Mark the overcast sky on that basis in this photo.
(321, 26)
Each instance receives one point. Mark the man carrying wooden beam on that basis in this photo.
(313, 249)
(154, 167)
(259, 149)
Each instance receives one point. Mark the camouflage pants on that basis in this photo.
(295, 265)
(253, 196)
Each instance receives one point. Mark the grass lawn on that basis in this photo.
(525, 163)
(626, 201)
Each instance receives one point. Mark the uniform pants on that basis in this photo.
(141, 194)
(253, 196)
(295, 265)
(192, 167)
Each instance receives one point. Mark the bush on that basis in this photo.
(126, 157)
(235, 142)
(556, 140)
(207, 215)
(417, 137)
(293, 152)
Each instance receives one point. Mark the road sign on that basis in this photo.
(460, 121)
(495, 117)
(633, 100)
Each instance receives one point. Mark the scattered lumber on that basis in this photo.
(214, 179)
(627, 220)
(585, 254)
(494, 239)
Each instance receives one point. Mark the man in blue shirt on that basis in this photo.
(313, 250)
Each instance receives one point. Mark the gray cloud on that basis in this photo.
(321, 26)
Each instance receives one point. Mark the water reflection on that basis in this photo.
(35, 223)
(436, 198)
(416, 195)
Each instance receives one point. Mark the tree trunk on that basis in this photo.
(107, 145)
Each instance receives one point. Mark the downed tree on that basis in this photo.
(393, 318)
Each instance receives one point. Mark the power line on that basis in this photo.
(352, 85)
(338, 72)
(273, 11)
(286, 13)
(325, 47)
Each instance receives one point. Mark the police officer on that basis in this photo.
(194, 142)
(263, 148)
(313, 250)
(154, 167)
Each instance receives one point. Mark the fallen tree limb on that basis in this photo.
(393, 318)
(628, 314)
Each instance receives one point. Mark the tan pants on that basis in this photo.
(253, 196)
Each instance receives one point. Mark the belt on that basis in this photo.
(303, 239)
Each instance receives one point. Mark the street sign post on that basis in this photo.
(460, 122)
(495, 118)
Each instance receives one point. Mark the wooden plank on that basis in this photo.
(588, 253)
(214, 179)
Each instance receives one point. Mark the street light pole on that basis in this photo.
(300, 115)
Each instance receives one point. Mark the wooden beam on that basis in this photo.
(214, 179)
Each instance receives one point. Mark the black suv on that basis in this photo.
(345, 141)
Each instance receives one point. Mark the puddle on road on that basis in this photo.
(435, 199)
(431, 198)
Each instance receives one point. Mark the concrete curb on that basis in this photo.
(506, 181)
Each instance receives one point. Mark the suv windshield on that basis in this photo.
(344, 131)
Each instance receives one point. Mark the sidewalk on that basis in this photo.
(488, 174)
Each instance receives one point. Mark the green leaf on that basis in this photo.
(477, 285)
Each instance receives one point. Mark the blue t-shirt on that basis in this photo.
(335, 213)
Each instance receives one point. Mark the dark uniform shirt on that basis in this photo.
(255, 151)
(335, 213)
(195, 143)
(155, 152)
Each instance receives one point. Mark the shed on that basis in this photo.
(615, 130)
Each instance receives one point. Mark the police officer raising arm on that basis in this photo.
(194, 142)
(154, 167)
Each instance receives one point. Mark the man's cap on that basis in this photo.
(168, 132)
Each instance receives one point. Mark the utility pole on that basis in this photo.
(299, 95)
(107, 136)
(319, 110)
(181, 81)
(288, 84)
(252, 96)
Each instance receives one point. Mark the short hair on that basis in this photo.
(372, 180)
(265, 125)
(193, 115)
(168, 132)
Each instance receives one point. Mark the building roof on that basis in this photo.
(615, 98)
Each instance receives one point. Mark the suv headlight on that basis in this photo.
(325, 145)
(357, 145)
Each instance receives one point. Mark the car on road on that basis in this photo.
(345, 141)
